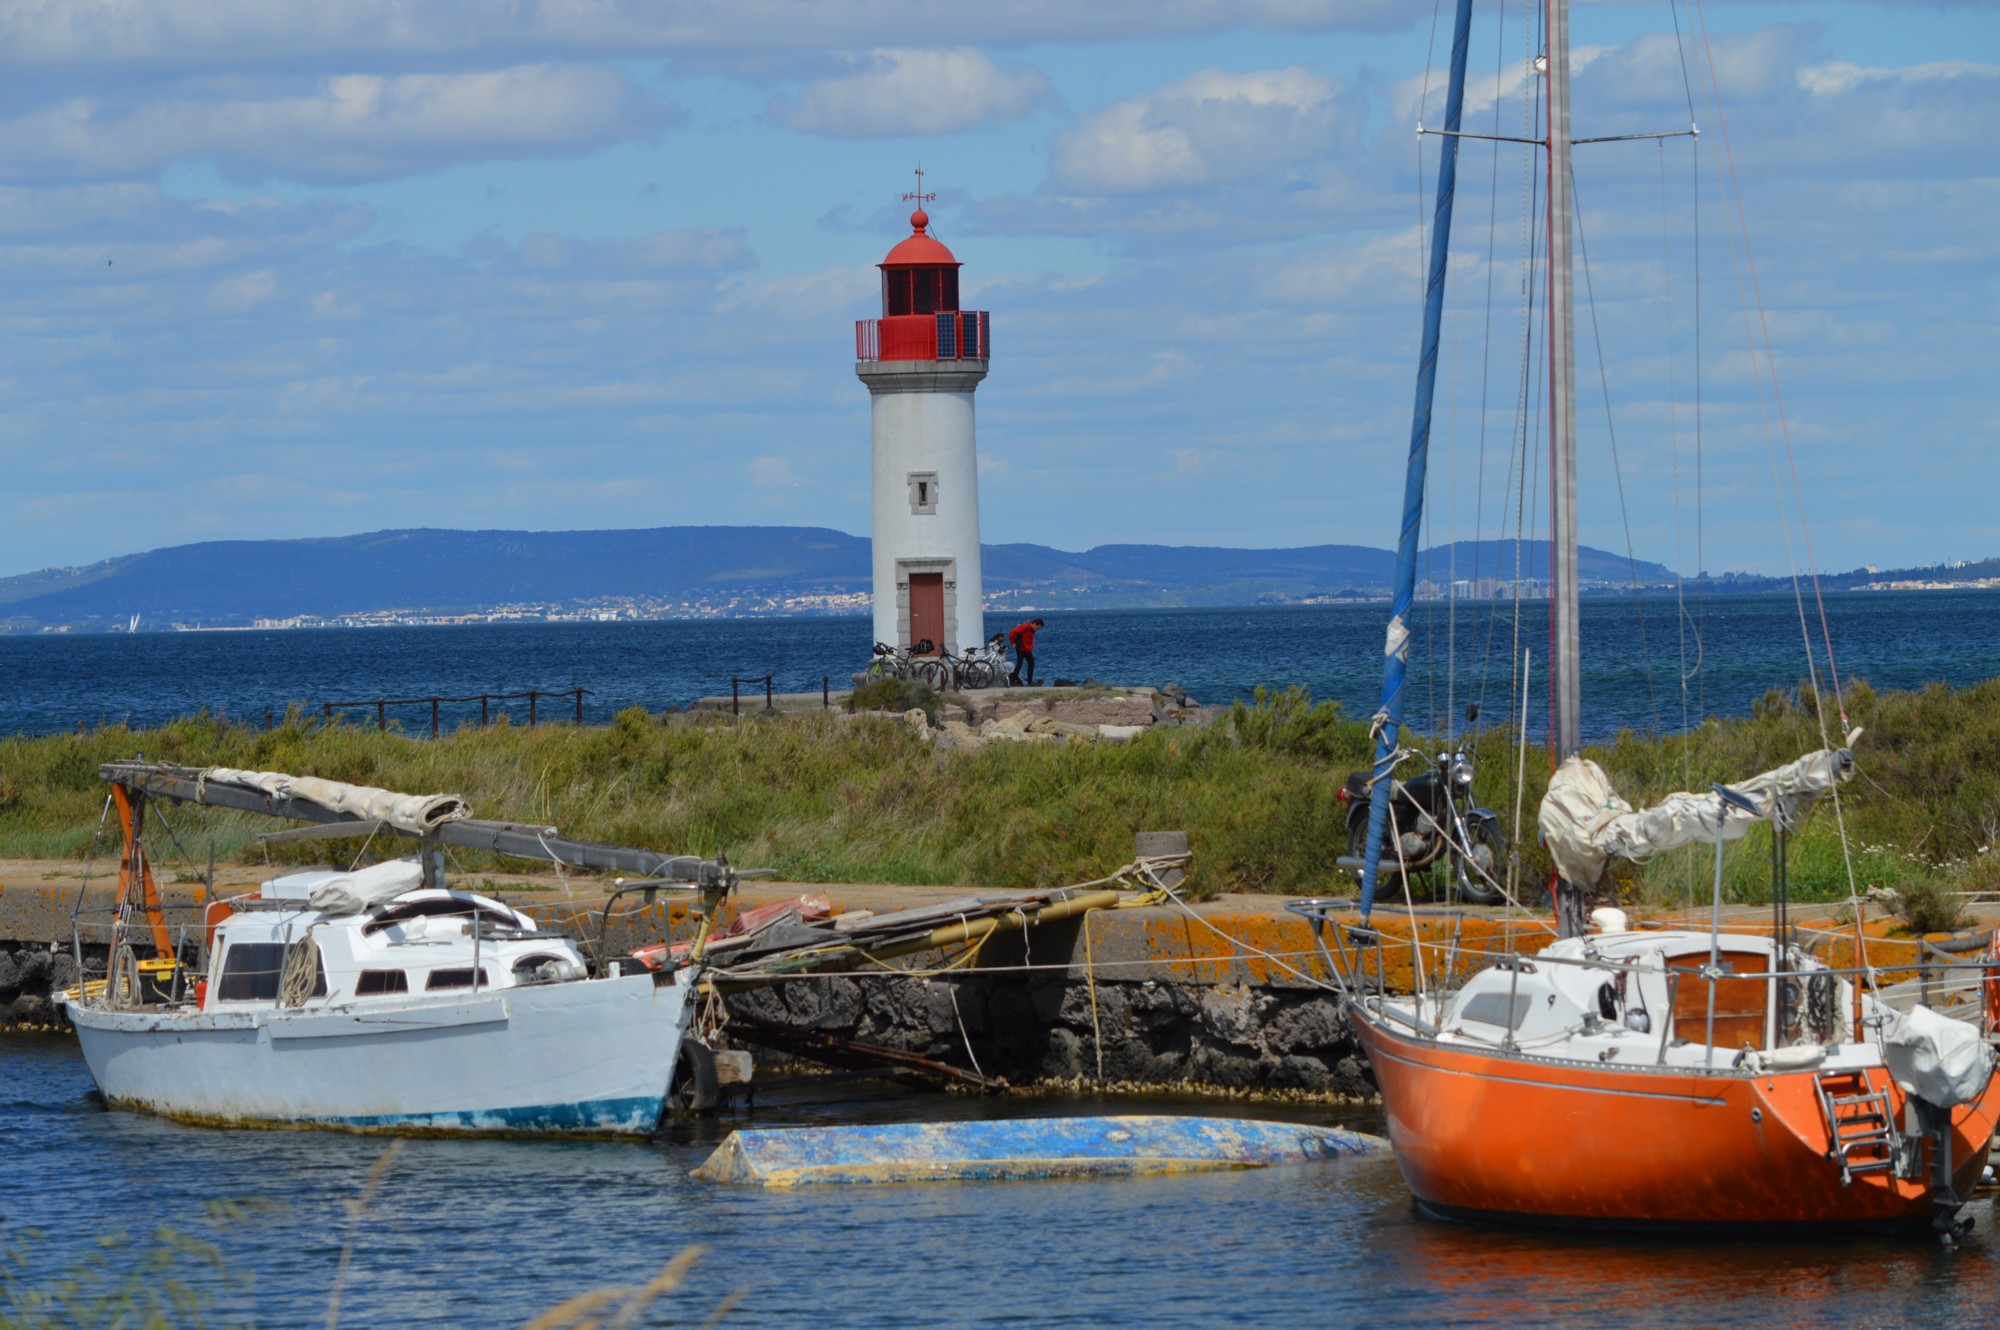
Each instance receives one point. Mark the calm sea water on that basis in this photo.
(1635, 656)
(489, 1233)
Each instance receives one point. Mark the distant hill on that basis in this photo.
(235, 582)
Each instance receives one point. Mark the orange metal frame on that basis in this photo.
(135, 868)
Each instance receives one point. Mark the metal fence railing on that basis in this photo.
(381, 705)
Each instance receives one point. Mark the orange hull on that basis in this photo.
(1482, 1134)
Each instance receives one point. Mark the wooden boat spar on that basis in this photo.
(380, 999)
(1650, 1079)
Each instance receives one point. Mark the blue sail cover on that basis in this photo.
(1389, 719)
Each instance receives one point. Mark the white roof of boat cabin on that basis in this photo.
(1658, 942)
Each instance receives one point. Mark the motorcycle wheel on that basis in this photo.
(1474, 877)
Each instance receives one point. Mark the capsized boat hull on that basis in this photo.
(1017, 1148)
(1484, 1135)
(587, 1058)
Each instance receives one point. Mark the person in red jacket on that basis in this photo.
(1022, 637)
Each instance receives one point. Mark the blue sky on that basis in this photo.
(294, 269)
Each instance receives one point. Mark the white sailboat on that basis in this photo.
(379, 999)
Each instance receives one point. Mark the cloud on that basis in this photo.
(346, 128)
(39, 37)
(918, 93)
(1215, 127)
(1840, 77)
(773, 472)
(241, 294)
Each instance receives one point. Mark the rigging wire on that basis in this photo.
(1770, 364)
(1617, 467)
(1486, 337)
(1700, 493)
(1681, 622)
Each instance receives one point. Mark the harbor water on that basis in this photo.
(489, 1233)
(1729, 650)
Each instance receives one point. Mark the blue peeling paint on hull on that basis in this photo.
(600, 1117)
(624, 1117)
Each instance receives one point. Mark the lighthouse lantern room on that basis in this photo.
(922, 361)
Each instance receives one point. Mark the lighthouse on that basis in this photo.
(922, 360)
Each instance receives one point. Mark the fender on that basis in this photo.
(1475, 816)
(1991, 986)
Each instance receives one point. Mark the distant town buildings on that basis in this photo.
(1484, 588)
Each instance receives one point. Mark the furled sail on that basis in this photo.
(418, 814)
(1585, 823)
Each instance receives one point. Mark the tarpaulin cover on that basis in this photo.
(351, 893)
(418, 814)
(1939, 1060)
(1585, 822)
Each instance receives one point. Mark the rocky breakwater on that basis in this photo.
(1110, 716)
(1215, 999)
(29, 973)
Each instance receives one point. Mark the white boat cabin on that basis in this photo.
(1644, 996)
(378, 935)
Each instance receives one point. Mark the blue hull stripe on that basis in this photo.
(598, 1115)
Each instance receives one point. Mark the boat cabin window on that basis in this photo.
(404, 911)
(373, 982)
(250, 972)
(1492, 1009)
(456, 979)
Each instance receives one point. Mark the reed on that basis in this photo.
(832, 798)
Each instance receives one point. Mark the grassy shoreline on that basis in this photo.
(826, 798)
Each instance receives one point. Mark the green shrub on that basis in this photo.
(895, 695)
(1929, 906)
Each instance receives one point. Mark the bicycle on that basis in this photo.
(887, 663)
(913, 662)
(985, 666)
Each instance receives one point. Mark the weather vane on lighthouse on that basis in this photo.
(920, 198)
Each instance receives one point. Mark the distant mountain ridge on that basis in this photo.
(235, 582)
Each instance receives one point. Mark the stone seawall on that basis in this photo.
(29, 973)
(1136, 1033)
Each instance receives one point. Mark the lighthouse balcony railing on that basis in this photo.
(964, 334)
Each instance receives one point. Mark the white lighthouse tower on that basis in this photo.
(922, 360)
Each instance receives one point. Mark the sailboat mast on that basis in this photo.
(1566, 703)
(1388, 721)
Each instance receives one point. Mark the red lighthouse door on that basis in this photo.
(927, 607)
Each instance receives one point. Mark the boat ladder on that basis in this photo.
(1861, 1127)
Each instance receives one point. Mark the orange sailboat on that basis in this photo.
(1685, 1079)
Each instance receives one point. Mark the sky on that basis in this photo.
(280, 268)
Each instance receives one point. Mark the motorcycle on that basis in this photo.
(1432, 820)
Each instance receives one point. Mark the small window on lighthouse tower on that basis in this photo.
(923, 492)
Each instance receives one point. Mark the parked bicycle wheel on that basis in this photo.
(978, 674)
(934, 673)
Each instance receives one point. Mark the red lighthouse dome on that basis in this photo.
(921, 319)
(920, 249)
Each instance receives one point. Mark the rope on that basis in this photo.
(121, 988)
(951, 991)
(300, 974)
(1090, 977)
